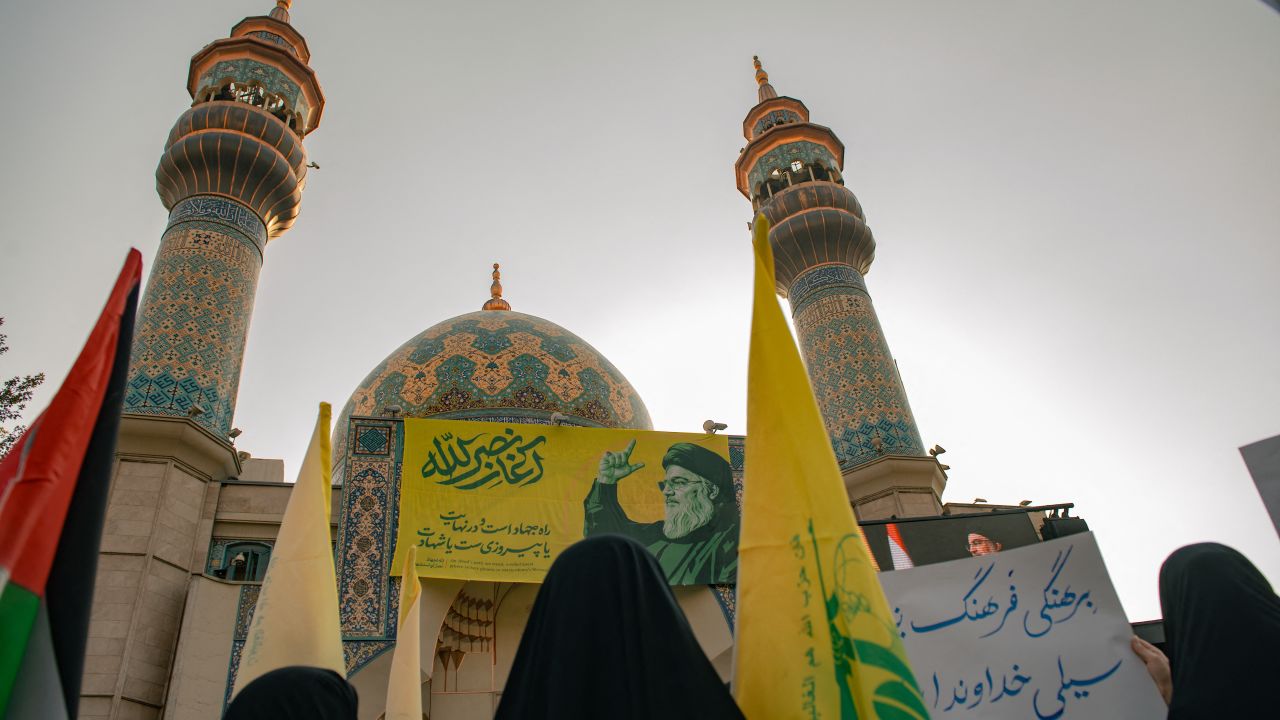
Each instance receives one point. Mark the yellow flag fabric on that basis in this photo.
(295, 621)
(815, 638)
(404, 689)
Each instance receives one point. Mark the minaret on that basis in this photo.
(231, 176)
(791, 171)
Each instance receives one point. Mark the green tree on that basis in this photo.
(14, 396)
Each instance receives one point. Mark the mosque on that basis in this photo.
(191, 522)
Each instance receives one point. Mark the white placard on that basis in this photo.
(1035, 632)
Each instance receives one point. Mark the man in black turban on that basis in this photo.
(697, 542)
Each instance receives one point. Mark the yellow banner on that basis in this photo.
(499, 501)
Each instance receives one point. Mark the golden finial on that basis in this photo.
(762, 79)
(281, 10)
(495, 302)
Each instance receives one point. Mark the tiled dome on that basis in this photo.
(497, 364)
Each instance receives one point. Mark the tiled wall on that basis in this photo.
(189, 342)
(854, 377)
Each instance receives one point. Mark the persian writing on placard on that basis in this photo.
(1035, 632)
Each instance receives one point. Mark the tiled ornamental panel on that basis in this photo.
(365, 540)
(189, 342)
(853, 375)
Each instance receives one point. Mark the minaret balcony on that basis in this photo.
(252, 93)
(816, 223)
(238, 150)
(796, 173)
(779, 146)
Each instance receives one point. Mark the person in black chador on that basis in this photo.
(697, 541)
(606, 639)
(296, 692)
(1222, 629)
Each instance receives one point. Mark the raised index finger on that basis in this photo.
(630, 446)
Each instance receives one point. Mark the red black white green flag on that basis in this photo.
(53, 497)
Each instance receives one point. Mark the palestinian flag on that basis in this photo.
(53, 496)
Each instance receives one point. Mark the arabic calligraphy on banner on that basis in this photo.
(484, 459)
(499, 501)
(1033, 632)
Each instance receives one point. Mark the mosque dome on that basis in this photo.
(500, 365)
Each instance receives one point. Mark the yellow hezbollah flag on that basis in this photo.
(404, 689)
(296, 619)
(815, 638)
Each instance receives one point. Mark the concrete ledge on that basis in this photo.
(158, 436)
(893, 477)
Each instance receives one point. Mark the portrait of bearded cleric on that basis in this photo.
(697, 540)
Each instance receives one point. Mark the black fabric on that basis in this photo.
(69, 590)
(704, 462)
(606, 639)
(1222, 634)
(295, 693)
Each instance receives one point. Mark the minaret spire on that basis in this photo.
(231, 176)
(762, 79)
(495, 301)
(791, 171)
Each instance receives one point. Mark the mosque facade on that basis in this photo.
(191, 522)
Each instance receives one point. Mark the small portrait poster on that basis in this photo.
(903, 544)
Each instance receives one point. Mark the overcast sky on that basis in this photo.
(1075, 206)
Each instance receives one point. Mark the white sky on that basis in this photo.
(1074, 203)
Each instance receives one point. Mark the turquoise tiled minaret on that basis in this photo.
(231, 176)
(791, 172)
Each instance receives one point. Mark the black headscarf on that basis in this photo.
(297, 692)
(707, 463)
(1222, 633)
(606, 639)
